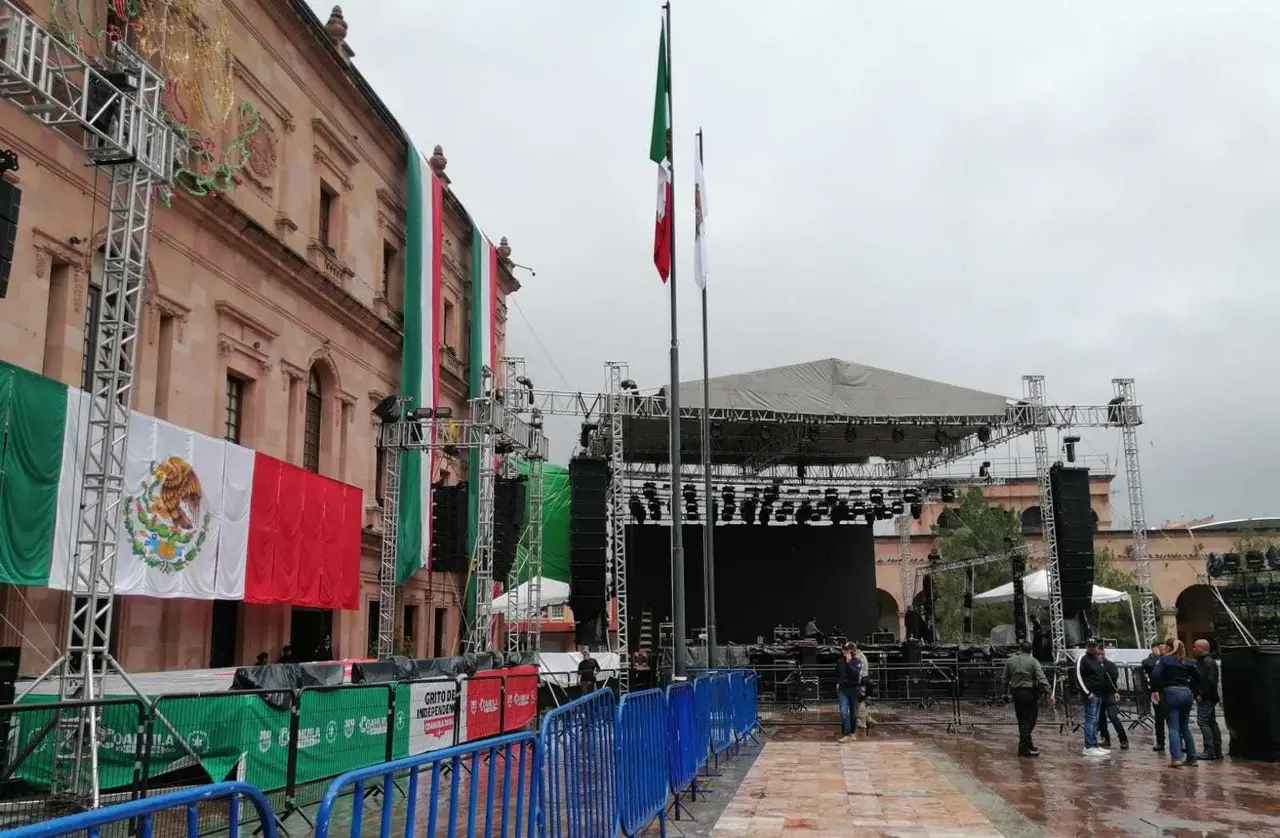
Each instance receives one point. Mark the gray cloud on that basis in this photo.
(967, 192)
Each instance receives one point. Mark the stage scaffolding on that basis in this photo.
(779, 457)
(492, 428)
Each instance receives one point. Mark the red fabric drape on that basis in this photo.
(304, 538)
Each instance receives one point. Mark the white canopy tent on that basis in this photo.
(553, 593)
(1035, 586)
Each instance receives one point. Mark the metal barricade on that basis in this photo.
(28, 750)
(722, 728)
(577, 769)
(336, 729)
(147, 815)
(643, 741)
(686, 751)
(702, 716)
(501, 772)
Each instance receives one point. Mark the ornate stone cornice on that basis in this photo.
(229, 344)
(292, 372)
(234, 313)
(335, 140)
(263, 94)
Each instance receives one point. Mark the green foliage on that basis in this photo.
(1251, 541)
(1114, 621)
(983, 529)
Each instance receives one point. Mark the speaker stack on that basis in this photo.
(449, 528)
(508, 518)
(10, 200)
(588, 586)
(1073, 520)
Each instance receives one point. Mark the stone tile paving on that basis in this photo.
(869, 788)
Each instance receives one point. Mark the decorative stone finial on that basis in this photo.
(504, 251)
(336, 27)
(438, 162)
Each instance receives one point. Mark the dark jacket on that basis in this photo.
(848, 675)
(1023, 672)
(1207, 672)
(1093, 677)
(1148, 666)
(1111, 685)
(1172, 672)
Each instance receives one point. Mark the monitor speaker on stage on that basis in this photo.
(1073, 520)
(588, 535)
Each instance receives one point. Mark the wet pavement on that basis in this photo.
(922, 783)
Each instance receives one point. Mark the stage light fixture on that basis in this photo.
(748, 511)
(911, 495)
(420, 414)
(523, 381)
(717, 430)
(1069, 443)
(876, 496)
(628, 384)
(1231, 562)
(984, 434)
(765, 433)
(1213, 565)
(655, 509)
(1273, 557)
(850, 433)
(637, 509)
(984, 471)
(388, 410)
(727, 512)
(897, 507)
(504, 448)
(855, 493)
(948, 494)
(804, 512)
(840, 512)
(650, 490)
(916, 510)
(940, 436)
(885, 513)
(535, 419)
(1255, 560)
(898, 435)
(869, 517)
(858, 508)
(444, 412)
(814, 432)
(765, 514)
(771, 493)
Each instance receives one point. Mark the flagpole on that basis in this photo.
(673, 403)
(709, 521)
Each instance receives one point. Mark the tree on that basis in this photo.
(976, 528)
(1114, 620)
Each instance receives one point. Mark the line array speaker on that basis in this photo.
(449, 528)
(508, 518)
(10, 201)
(1073, 518)
(588, 482)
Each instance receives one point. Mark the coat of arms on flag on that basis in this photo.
(163, 520)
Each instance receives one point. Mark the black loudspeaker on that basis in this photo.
(1251, 701)
(1073, 520)
(449, 528)
(10, 200)
(588, 533)
(508, 518)
(1018, 567)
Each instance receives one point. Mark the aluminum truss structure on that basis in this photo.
(490, 425)
(111, 108)
(617, 405)
(1033, 390)
(524, 617)
(1128, 416)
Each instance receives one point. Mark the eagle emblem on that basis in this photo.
(165, 519)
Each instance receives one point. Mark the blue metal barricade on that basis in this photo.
(577, 769)
(642, 735)
(684, 757)
(499, 771)
(721, 715)
(702, 715)
(145, 810)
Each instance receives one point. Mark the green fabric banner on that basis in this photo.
(555, 524)
(33, 411)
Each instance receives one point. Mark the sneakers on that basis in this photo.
(843, 740)
(1124, 746)
(1096, 752)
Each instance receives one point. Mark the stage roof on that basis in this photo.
(822, 411)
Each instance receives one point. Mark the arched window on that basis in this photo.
(1031, 519)
(311, 433)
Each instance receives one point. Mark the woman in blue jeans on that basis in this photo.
(1172, 681)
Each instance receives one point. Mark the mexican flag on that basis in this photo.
(660, 153)
(483, 355)
(201, 518)
(420, 357)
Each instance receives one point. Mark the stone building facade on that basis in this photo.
(271, 317)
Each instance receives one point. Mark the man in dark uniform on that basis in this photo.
(588, 668)
(1148, 665)
(1025, 679)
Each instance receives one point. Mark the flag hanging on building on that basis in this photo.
(201, 518)
(700, 219)
(660, 153)
(484, 310)
(420, 357)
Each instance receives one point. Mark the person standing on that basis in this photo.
(1025, 679)
(1110, 706)
(863, 720)
(1157, 709)
(1092, 678)
(1172, 686)
(588, 669)
(848, 682)
(811, 630)
(1207, 700)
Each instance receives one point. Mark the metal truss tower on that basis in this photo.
(617, 407)
(480, 635)
(524, 616)
(118, 122)
(906, 564)
(1129, 417)
(1040, 420)
(390, 543)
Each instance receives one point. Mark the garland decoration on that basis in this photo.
(189, 43)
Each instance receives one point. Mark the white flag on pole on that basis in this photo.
(700, 221)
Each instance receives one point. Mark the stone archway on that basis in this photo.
(887, 612)
(1195, 614)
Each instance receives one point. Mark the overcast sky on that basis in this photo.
(963, 191)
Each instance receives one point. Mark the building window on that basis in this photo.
(446, 324)
(388, 266)
(235, 409)
(92, 317)
(326, 216)
(311, 432)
